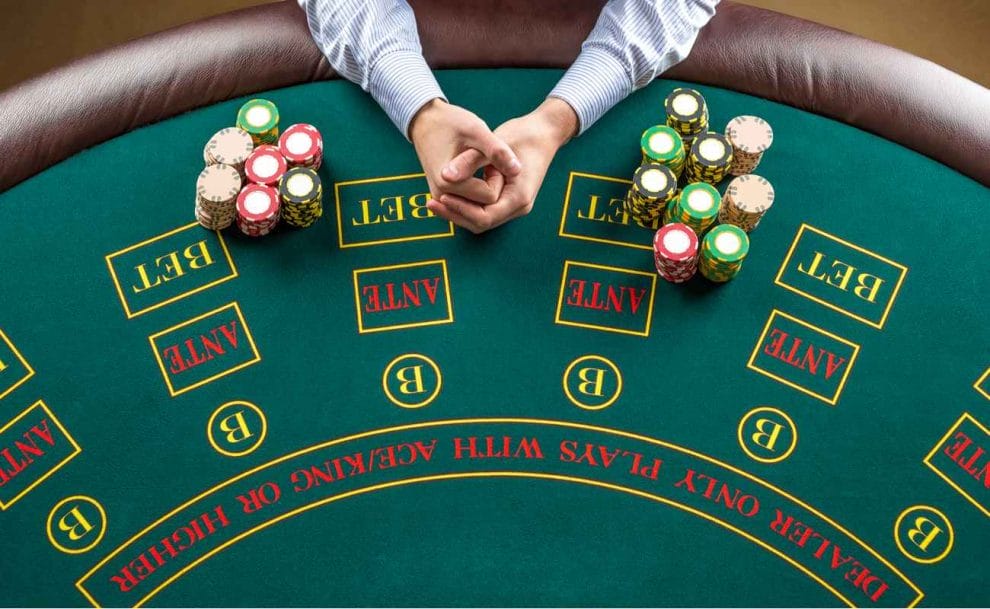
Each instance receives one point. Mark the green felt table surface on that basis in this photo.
(539, 526)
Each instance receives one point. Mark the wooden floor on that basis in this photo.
(40, 34)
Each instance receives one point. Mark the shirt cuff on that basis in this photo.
(594, 83)
(402, 83)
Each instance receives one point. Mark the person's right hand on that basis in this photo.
(440, 132)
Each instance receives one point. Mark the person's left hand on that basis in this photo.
(535, 138)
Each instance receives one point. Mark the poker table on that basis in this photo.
(383, 409)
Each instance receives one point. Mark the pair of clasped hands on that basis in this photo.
(453, 144)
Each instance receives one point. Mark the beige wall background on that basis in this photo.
(37, 35)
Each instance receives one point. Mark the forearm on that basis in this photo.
(632, 42)
(374, 43)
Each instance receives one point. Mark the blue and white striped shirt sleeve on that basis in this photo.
(632, 42)
(374, 43)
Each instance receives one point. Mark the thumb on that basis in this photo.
(462, 166)
(497, 152)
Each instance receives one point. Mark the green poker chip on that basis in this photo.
(726, 243)
(258, 116)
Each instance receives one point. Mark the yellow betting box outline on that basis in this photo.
(842, 382)
(978, 385)
(927, 460)
(120, 291)
(449, 319)
(567, 201)
(893, 295)
(615, 269)
(76, 449)
(498, 474)
(340, 214)
(161, 364)
(30, 371)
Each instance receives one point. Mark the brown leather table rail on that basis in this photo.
(896, 95)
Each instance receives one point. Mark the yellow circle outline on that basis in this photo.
(610, 401)
(250, 449)
(924, 561)
(749, 453)
(430, 398)
(99, 538)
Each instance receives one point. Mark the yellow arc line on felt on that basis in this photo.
(546, 422)
(893, 295)
(120, 292)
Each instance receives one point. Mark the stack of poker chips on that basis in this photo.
(259, 117)
(710, 159)
(675, 251)
(750, 137)
(653, 187)
(696, 206)
(662, 144)
(217, 188)
(301, 193)
(302, 146)
(257, 210)
(722, 252)
(265, 166)
(746, 200)
(230, 146)
(687, 113)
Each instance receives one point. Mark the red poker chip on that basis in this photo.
(266, 166)
(301, 144)
(257, 203)
(675, 242)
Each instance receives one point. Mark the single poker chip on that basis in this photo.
(685, 105)
(751, 194)
(697, 206)
(664, 145)
(675, 242)
(301, 144)
(700, 201)
(265, 166)
(661, 143)
(654, 181)
(675, 248)
(258, 203)
(258, 116)
(218, 183)
(711, 150)
(749, 134)
(727, 243)
(300, 185)
(231, 146)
